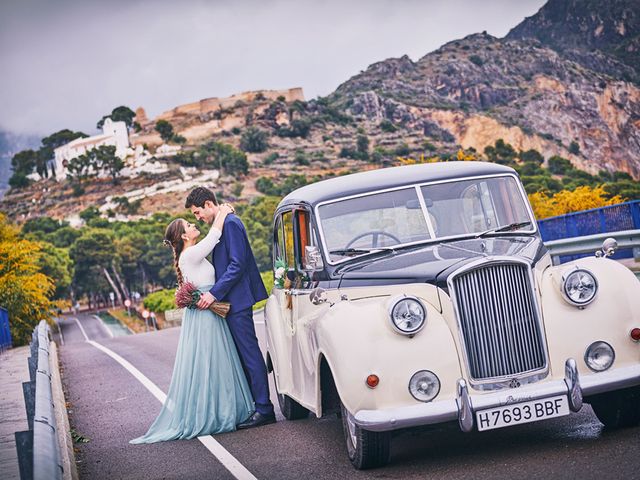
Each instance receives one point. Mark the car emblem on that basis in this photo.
(514, 383)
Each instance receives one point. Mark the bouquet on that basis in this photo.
(279, 273)
(187, 296)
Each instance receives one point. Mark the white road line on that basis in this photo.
(104, 325)
(231, 463)
(82, 329)
(60, 331)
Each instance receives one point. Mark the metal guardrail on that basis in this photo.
(38, 449)
(589, 244)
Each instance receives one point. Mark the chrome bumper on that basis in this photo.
(465, 405)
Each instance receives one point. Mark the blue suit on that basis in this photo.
(238, 281)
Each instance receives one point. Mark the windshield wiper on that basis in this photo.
(506, 228)
(351, 251)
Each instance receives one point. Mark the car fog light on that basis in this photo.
(408, 315)
(599, 356)
(424, 386)
(579, 287)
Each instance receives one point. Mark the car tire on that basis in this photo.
(366, 449)
(617, 409)
(291, 410)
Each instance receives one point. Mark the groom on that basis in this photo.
(238, 281)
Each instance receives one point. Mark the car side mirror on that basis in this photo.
(609, 247)
(318, 296)
(313, 259)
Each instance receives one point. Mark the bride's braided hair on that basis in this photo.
(173, 238)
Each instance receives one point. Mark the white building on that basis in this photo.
(113, 134)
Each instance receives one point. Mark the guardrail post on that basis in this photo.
(24, 446)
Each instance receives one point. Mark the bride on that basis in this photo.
(209, 392)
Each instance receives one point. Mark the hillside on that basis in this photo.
(584, 29)
(541, 100)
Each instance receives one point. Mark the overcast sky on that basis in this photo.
(65, 63)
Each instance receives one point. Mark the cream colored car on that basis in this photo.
(423, 294)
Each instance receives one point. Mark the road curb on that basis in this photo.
(63, 432)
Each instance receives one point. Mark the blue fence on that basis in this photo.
(614, 218)
(5, 332)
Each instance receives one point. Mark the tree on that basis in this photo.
(24, 162)
(225, 157)
(24, 290)
(119, 114)
(257, 219)
(165, 129)
(501, 153)
(254, 140)
(566, 201)
(107, 161)
(362, 145)
(56, 264)
(532, 156)
(574, 148)
(559, 165)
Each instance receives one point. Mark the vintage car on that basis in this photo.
(423, 294)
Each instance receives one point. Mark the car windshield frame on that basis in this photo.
(434, 239)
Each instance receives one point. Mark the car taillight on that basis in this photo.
(372, 381)
(635, 334)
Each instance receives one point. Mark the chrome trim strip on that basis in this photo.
(612, 379)
(526, 300)
(425, 212)
(448, 410)
(532, 217)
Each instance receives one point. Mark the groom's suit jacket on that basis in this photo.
(238, 280)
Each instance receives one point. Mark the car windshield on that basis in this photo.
(360, 225)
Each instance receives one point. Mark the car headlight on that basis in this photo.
(579, 287)
(599, 356)
(424, 386)
(408, 315)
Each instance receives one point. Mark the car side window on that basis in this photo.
(303, 230)
(289, 249)
(278, 241)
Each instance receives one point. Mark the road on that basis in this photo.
(110, 406)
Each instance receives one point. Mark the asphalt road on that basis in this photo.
(110, 406)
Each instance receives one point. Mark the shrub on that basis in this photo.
(559, 165)
(574, 148)
(272, 157)
(160, 301)
(254, 140)
(387, 126)
(476, 60)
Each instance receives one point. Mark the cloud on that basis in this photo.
(67, 63)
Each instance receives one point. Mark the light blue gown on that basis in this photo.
(209, 392)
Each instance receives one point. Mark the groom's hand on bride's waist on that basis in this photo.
(206, 299)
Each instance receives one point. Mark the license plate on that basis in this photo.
(524, 412)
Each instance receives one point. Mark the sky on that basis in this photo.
(66, 63)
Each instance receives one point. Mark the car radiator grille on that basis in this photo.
(498, 319)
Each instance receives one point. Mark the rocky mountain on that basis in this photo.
(583, 29)
(480, 88)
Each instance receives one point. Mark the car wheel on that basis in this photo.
(365, 449)
(618, 409)
(291, 410)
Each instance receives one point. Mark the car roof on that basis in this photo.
(384, 178)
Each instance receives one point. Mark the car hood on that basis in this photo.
(435, 262)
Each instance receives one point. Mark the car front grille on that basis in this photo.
(498, 318)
